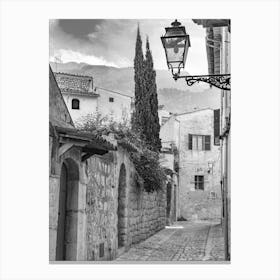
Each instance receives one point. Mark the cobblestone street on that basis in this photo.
(183, 241)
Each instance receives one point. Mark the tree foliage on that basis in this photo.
(152, 126)
(145, 119)
(149, 174)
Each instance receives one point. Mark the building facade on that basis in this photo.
(192, 136)
(163, 115)
(78, 94)
(199, 167)
(218, 45)
(96, 208)
(117, 106)
(83, 100)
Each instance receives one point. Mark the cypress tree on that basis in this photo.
(145, 118)
(152, 127)
(138, 117)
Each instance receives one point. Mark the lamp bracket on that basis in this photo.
(221, 81)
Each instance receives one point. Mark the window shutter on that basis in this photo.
(190, 142)
(217, 127)
(207, 143)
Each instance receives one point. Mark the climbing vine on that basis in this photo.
(149, 174)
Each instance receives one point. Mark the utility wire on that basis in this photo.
(109, 90)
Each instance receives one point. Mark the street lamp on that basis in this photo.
(176, 43)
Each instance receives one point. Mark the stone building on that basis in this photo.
(163, 115)
(116, 105)
(96, 209)
(78, 94)
(83, 98)
(198, 164)
(218, 46)
(199, 167)
(170, 160)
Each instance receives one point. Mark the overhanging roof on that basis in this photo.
(90, 143)
(212, 22)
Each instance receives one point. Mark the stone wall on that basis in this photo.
(196, 204)
(58, 112)
(101, 208)
(96, 212)
(143, 214)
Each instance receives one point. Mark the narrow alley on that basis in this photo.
(183, 241)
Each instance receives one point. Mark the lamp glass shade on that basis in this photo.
(176, 43)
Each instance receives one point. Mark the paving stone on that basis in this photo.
(184, 241)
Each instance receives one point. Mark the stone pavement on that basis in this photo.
(183, 241)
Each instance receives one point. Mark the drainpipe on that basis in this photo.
(178, 183)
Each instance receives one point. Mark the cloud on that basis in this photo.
(69, 56)
(112, 41)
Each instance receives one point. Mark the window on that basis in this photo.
(199, 182)
(199, 142)
(164, 120)
(75, 104)
(111, 99)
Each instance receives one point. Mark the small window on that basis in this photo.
(164, 120)
(111, 99)
(75, 104)
(199, 182)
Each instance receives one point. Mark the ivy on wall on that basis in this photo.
(149, 174)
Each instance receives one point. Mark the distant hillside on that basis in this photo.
(178, 101)
(176, 96)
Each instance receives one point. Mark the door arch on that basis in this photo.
(122, 208)
(67, 225)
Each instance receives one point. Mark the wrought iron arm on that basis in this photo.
(219, 80)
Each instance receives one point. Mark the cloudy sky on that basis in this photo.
(112, 42)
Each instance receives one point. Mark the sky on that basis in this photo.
(111, 42)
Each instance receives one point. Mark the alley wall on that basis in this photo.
(206, 203)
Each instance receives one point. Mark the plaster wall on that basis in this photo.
(169, 133)
(118, 110)
(199, 204)
(88, 105)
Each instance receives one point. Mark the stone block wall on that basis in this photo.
(202, 205)
(101, 232)
(196, 204)
(146, 214)
(94, 216)
(143, 213)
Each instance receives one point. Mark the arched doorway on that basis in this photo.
(67, 226)
(122, 208)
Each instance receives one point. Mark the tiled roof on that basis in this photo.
(71, 83)
(89, 138)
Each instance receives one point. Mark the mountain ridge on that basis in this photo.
(176, 96)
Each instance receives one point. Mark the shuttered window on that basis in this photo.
(217, 127)
(199, 142)
(190, 142)
(207, 145)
